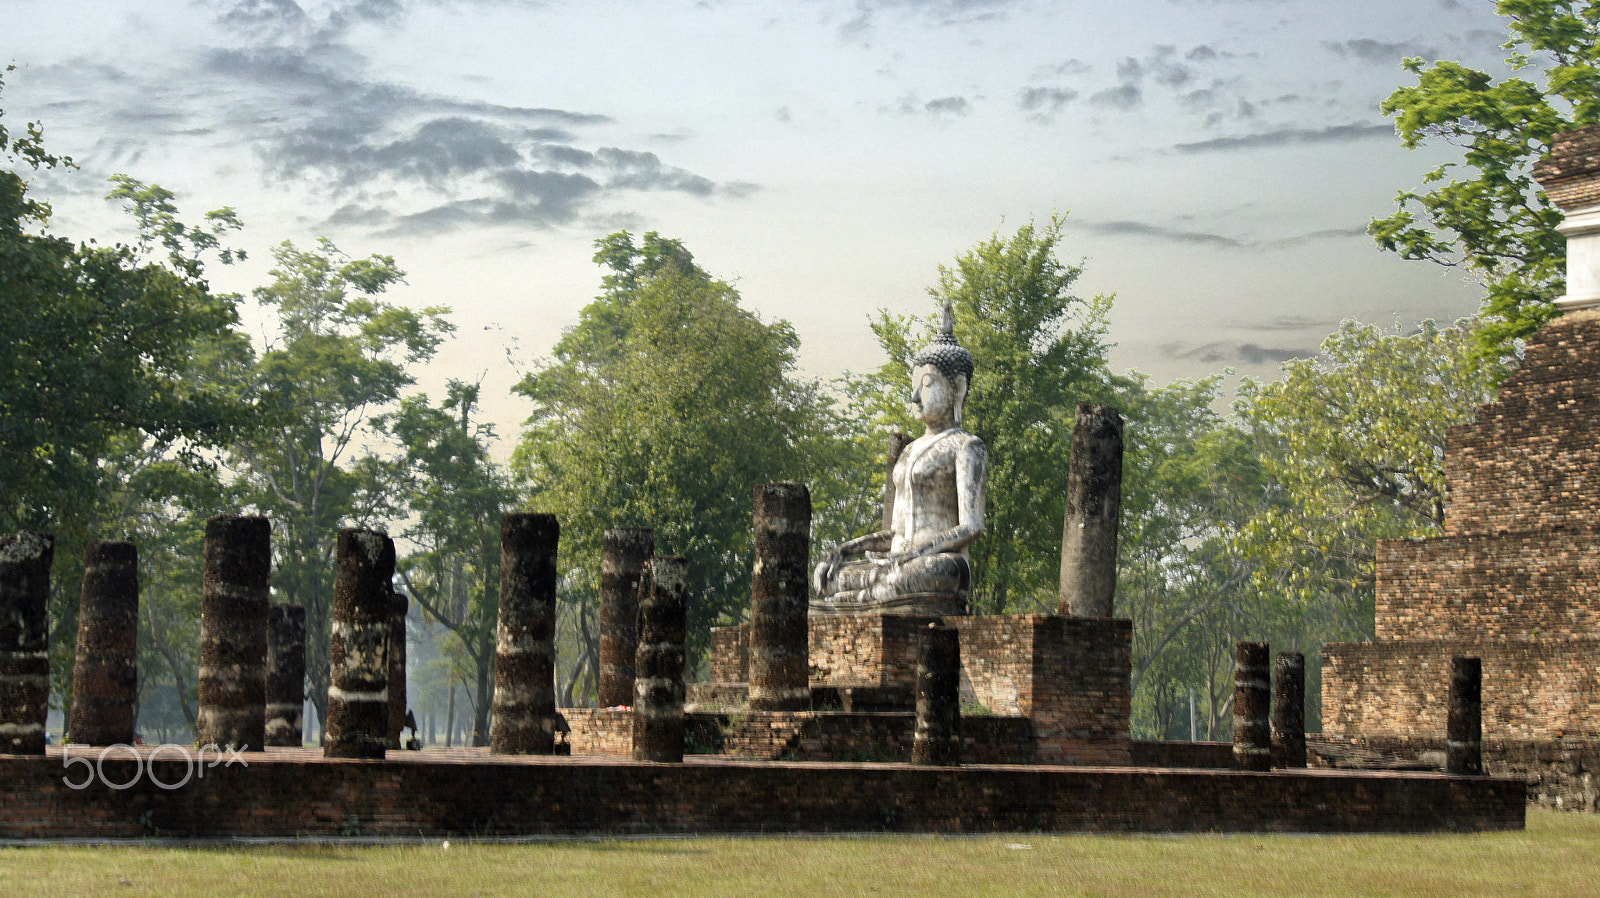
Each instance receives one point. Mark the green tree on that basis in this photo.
(341, 356)
(1485, 214)
(1039, 351)
(1356, 441)
(453, 495)
(663, 407)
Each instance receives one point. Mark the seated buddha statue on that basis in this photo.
(920, 565)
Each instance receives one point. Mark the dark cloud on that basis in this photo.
(1290, 323)
(1128, 228)
(1223, 352)
(948, 106)
(934, 12)
(1378, 52)
(1201, 53)
(1122, 97)
(1045, 99)
(1070, 67)
(1289, 136)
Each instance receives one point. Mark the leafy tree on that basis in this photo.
(1356, 441)
(1486, 214)
(1039, 351)
(341, 356)
(454, 495)
(663, 407)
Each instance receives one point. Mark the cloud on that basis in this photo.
(948, 106)
(940, 13)
(1045, 99)
(1290, 323)
(1121, 98)
(911, 104)
(1129, 228)
(1289, 136)
(1224, 352)
(1379, 52)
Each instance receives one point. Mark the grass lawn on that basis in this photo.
(1558, 855)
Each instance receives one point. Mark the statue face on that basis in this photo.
(933, 398)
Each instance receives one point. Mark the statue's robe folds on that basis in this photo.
(921, 566)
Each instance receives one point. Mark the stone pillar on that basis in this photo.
(1289, 708)
(286, 675)
(525, 648)
(25, 560)
(658, 691)
(399, 604)
(358, 684)
(897, 444)
(105, 673)
(1094, 511)
(779, 638)
(1252, 701)
(1463, 746)
(623, 554)
(937, 741)
(233, 632)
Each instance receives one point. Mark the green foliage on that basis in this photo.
(664, 407)
(1486, 214)
(1039, 352)
(1356, 440)
(340, 356)
(452, 494)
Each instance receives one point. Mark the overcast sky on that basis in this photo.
(1218, 159)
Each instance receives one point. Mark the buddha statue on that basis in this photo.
(920, 565)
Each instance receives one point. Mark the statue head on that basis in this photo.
(950, 360)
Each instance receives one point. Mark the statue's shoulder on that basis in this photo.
(964, 441)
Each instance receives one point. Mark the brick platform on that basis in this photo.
(296, 793)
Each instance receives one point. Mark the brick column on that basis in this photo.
(398, 606)
(779, 638)
(897, 444)
(1094, 512)
(105, 673)
(1464, 726)
(1252, 704)
(937, 740)
(233, 632)
(25, 560)
(623, 554)
(358, 690)
(525, 651)
(286, 675)
(658, 690)
(1289, 708)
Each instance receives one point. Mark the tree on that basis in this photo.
(454, 495)
(1495, 222)
(340, 357)
(663, 407)
(1356, 441)
(1039, 352)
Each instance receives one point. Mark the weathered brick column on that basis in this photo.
(1464, 726)
(1094, 512)
(358, 690)
(398, 607)
(897, 444)
(233, 632)
(105, 673)
(779, 637)
(25, 559)
(525, 649)
(937, 739)
(623, 554)
(286, 675)
(658, 690)
(1289, 708)
(1252, 701)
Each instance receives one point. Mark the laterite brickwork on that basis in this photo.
(296, 794)
(1561, 774)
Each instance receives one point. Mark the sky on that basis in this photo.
(1217, 160)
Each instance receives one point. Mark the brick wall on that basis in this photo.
(1559, 773)
(730, 654)
(294, 793)
(1530, 689)
(1512, 585)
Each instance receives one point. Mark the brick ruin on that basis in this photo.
(1515, 579)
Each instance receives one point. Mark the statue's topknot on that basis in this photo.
(944, 353)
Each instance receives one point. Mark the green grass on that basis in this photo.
(1558, 855)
